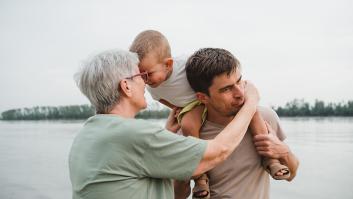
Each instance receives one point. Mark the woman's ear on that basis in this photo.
(125, 88)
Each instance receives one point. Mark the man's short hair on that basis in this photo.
(151, 41)
(207, 63)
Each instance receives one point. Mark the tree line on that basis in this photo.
(296, 107)
(68, 112)
(299, 107)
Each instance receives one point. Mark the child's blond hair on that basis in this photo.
(151, 41)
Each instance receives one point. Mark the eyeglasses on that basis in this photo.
(144, 76)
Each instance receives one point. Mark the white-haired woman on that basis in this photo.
(117, 156)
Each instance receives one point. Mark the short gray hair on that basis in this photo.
(100, 75)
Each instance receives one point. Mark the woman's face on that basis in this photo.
(138, 89)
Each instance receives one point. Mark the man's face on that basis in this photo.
(226, 94)
(157, 71)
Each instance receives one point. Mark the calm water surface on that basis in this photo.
(33, 163)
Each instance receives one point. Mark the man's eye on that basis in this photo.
(226, 89)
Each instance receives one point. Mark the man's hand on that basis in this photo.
(172, 123)
(269, 145)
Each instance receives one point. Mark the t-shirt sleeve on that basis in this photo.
(168, 155)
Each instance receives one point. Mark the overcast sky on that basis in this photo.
(289, 49)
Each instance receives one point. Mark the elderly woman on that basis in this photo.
(117, 156)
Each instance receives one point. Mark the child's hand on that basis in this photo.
(172, 123)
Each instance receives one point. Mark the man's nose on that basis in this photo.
(238, 91)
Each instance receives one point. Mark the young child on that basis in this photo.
(168, 84)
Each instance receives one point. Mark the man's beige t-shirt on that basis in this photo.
(242, 174)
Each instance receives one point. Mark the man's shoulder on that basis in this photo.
(271, 117)
(268, 113)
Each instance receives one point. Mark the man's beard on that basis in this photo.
(235, 111)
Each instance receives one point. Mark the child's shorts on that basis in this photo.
(189, 107)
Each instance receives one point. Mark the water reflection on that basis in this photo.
(325, 149)
(309, 131)
(34, 154)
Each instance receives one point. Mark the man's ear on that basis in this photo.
(125, 88)
(169, 63)
(202, 97)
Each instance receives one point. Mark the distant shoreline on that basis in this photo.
(294, 108)
(153, 118)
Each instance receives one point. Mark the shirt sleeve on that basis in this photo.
(168, 155)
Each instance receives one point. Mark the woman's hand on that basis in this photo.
(172, 123)
(251, 93)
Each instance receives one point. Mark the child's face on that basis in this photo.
(157, 72)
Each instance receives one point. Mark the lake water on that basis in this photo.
(33, 163)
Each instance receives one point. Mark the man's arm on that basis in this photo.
(269, 145)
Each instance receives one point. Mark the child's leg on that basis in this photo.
(190, 125)
(191, 121)
(257, 125)
(276, 169)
